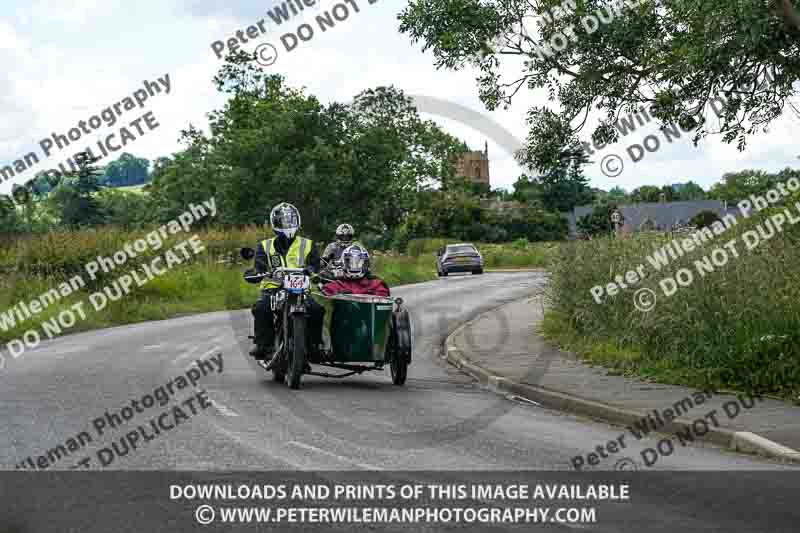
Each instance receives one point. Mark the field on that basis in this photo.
(211, 281)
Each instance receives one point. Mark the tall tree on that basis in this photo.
(646, 193)
(618, 195)
(562, 187)
(75, 199)
(688, 191)
(125, 171)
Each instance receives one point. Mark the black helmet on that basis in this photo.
(355, 261)
(345, 233)
(285, 220)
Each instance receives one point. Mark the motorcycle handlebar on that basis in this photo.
(291, 271)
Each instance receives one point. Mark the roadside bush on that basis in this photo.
(536, 225)
(520, 244)
(598, 222)
(127, 210)
(704, 219)
(485, 233)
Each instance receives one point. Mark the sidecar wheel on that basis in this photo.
(400, 346)
(399, 371)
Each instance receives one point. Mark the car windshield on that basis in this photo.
(461, 249)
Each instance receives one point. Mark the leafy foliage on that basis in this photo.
(704, 219)
(736, 186)
(671, 56)
(125, 171)
(561, 188)
(364, 162)
(598, 222)
(74, 198)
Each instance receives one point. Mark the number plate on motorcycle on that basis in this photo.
(296, 282)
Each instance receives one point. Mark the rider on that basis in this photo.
(357, 278)
(287, 250)
(333, 252)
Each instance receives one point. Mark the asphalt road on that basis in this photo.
(440, 420)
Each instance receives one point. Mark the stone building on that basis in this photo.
(474, 165)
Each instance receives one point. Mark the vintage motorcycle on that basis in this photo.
(360, 332)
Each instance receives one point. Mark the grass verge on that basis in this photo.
(735, 327)
(211, 281)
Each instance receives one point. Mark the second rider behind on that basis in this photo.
(344, 238)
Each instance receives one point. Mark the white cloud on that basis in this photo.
(10, 39)
(77, 12)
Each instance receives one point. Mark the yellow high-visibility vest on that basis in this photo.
(296, 257)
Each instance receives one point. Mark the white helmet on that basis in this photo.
(345, 233)
(355, 262)
(285, 219)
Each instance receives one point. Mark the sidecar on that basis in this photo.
(363, 332)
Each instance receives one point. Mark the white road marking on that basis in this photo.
(221, 407)
(184, 355)
(520, 399)
(259, 449)
(339, 457)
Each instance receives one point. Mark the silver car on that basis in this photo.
(462, 257)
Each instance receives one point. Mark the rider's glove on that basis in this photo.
(277, 276)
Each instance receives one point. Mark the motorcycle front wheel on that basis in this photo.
(297, 357)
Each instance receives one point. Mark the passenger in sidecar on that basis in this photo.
(357, 278)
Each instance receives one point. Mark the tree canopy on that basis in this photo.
(672, 57)
(362, 162)
(125, 171)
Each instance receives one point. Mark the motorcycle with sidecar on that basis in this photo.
(360, 332)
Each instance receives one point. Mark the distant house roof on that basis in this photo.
(663, 215)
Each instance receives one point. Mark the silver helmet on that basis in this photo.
(355, 262)
(285, 220)
(345, 233)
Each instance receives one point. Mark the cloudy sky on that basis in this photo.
(66, 60)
